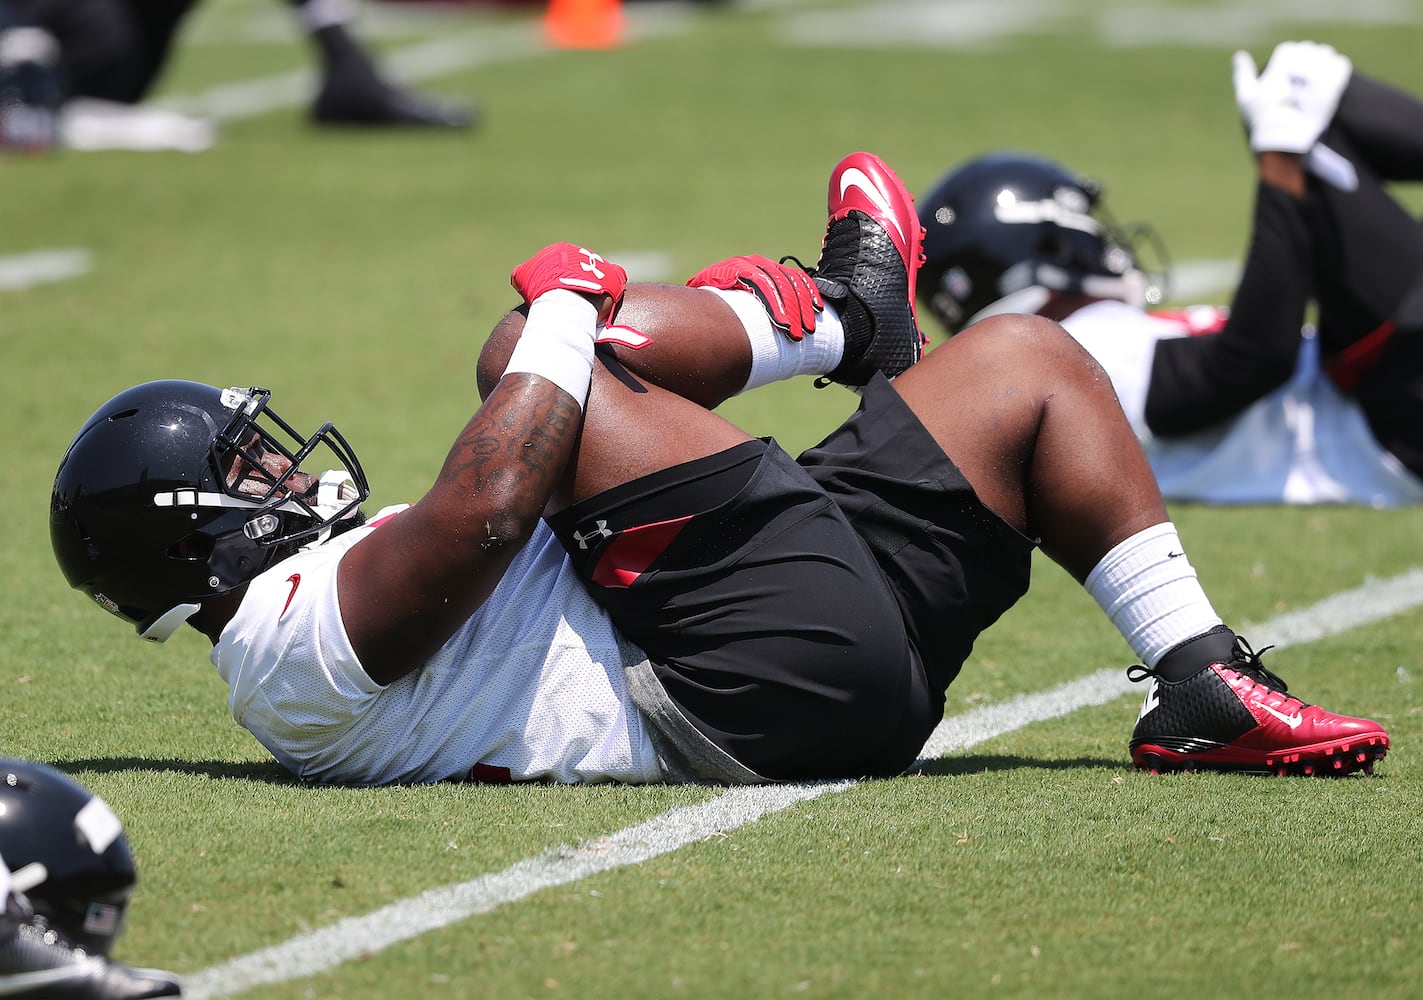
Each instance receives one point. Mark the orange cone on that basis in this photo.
(584, 24)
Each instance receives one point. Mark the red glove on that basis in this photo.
(787, 293)
(575, 268)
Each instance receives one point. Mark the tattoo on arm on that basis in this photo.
(509, 434)
(549, 442)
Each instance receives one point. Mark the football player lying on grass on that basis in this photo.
(609, 582)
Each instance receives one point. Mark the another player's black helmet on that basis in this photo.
(66, 851)
(150, 518)
(1005, 222)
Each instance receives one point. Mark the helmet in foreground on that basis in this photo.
(66, 851)
(176, 492)
(1006, 222)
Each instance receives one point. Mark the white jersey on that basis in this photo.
(531, 687)
(1304, 443)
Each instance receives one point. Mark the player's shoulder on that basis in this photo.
(385, 514)
(297, 579)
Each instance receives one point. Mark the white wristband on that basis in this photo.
(557, 342)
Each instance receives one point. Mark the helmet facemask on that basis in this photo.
(288, 507)
(241, 452)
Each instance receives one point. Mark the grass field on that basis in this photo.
(356, 274)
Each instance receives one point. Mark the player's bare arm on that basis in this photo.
(407, 587)
(413, 581)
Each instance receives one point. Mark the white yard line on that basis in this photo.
(40, 267)
(359, 937)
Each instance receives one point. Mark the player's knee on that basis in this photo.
(494, 356)
(1029, 347)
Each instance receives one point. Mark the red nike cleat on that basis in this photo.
(1238, 716)
(869, 262)
(862, 182)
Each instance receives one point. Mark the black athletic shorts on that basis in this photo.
(805, 616)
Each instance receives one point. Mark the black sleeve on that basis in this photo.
(1200, 381)
(1385, 125)
(1366, 246)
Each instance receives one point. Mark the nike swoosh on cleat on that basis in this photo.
(1292, 721)
(857, 178)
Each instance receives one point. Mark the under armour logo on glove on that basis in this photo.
(788, 294)
(572, 268)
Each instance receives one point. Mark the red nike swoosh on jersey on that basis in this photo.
(295, 581)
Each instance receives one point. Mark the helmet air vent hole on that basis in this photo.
(196, 547)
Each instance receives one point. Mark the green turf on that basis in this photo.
(356, 275)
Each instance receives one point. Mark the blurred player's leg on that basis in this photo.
(353, 90)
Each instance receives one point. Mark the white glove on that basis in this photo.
(1247, 86)
(1287, 107)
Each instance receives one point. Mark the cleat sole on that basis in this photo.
(1321, 761)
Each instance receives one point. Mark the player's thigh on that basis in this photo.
(632, 429)
(981, 397)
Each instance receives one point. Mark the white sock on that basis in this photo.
(1149, 590)
(774, 356)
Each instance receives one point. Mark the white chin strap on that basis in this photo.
(27, 878)
(336, 489)
(168, 622)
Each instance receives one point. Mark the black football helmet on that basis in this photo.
(152, 512)
(1005, 222)
(66, 851)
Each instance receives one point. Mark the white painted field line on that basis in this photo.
(1372, 601)
(355, 937)
(39, 267)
